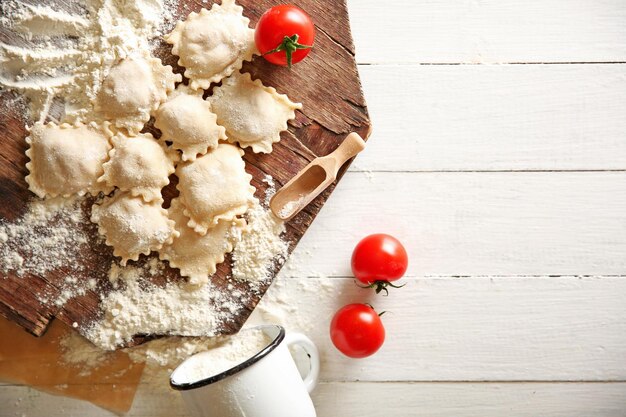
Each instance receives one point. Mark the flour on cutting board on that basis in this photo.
(136, 306)
(162, 356)
(44, 238)
(259, 247)
(177, 308)
(63, 55)
(51, 234)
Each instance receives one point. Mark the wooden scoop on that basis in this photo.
(314, 179)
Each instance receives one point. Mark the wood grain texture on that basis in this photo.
(495, 117)
(489, 31)
(326, 84)
(374, 399)
(479, 223)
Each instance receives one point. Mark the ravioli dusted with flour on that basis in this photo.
(253, 115)
(132, 226)
(134, 87)
(187, 121)
(67, 160)
(214, 187)
(213, 44)
(196, 256)
(138, 164)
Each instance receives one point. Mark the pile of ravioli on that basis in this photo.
(108, 157)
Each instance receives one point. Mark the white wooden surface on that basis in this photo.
(508, 185)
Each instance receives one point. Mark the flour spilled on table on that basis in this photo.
(67, 48)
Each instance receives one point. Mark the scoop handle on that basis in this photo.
(350, 147)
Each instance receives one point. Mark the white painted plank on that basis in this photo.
(468, 329)
(522, 223)
(471, 400)
(474, 31)
(374, 399)
(501, 117)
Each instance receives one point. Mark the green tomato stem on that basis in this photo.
(289, 45)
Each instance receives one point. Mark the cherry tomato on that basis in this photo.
(357, 331)
(378, 260)
(284, 35)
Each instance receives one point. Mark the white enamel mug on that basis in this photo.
(268, 384)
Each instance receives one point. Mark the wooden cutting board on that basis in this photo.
(326, 83)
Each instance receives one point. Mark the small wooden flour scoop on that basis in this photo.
(313, 179)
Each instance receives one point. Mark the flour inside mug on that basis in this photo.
(232, 352)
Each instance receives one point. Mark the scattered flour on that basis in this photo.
(271, 189)
(259, 247)
(65, 49)
(137, 306)
(51, 235)
(140, 307)
(48, 236)
(79, 351)
(162, 356)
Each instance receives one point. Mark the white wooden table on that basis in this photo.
(499, 157)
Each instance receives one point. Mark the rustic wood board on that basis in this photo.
(326, 83)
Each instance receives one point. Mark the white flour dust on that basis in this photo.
(139, 307)
(46, 237)
(50, 236)
(61, 51)
(259, 247)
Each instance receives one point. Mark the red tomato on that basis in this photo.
(357, 331)
(378, 260)
(284, 35)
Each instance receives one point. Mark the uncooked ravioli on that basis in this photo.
(138, 164)
(214, 187)
(195, 255)
(187, 121)
(213, 43)
(67, 159)
(253, 115)
(132, 226)
(134, 87)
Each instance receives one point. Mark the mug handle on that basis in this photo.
(310, 381)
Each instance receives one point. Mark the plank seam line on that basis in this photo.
(436, 171)
(460, 381)
(544, 276)
(405, 382)
(494, 64)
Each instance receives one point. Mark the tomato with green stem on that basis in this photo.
(378, 260)
(284, 35)
(357, 330)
